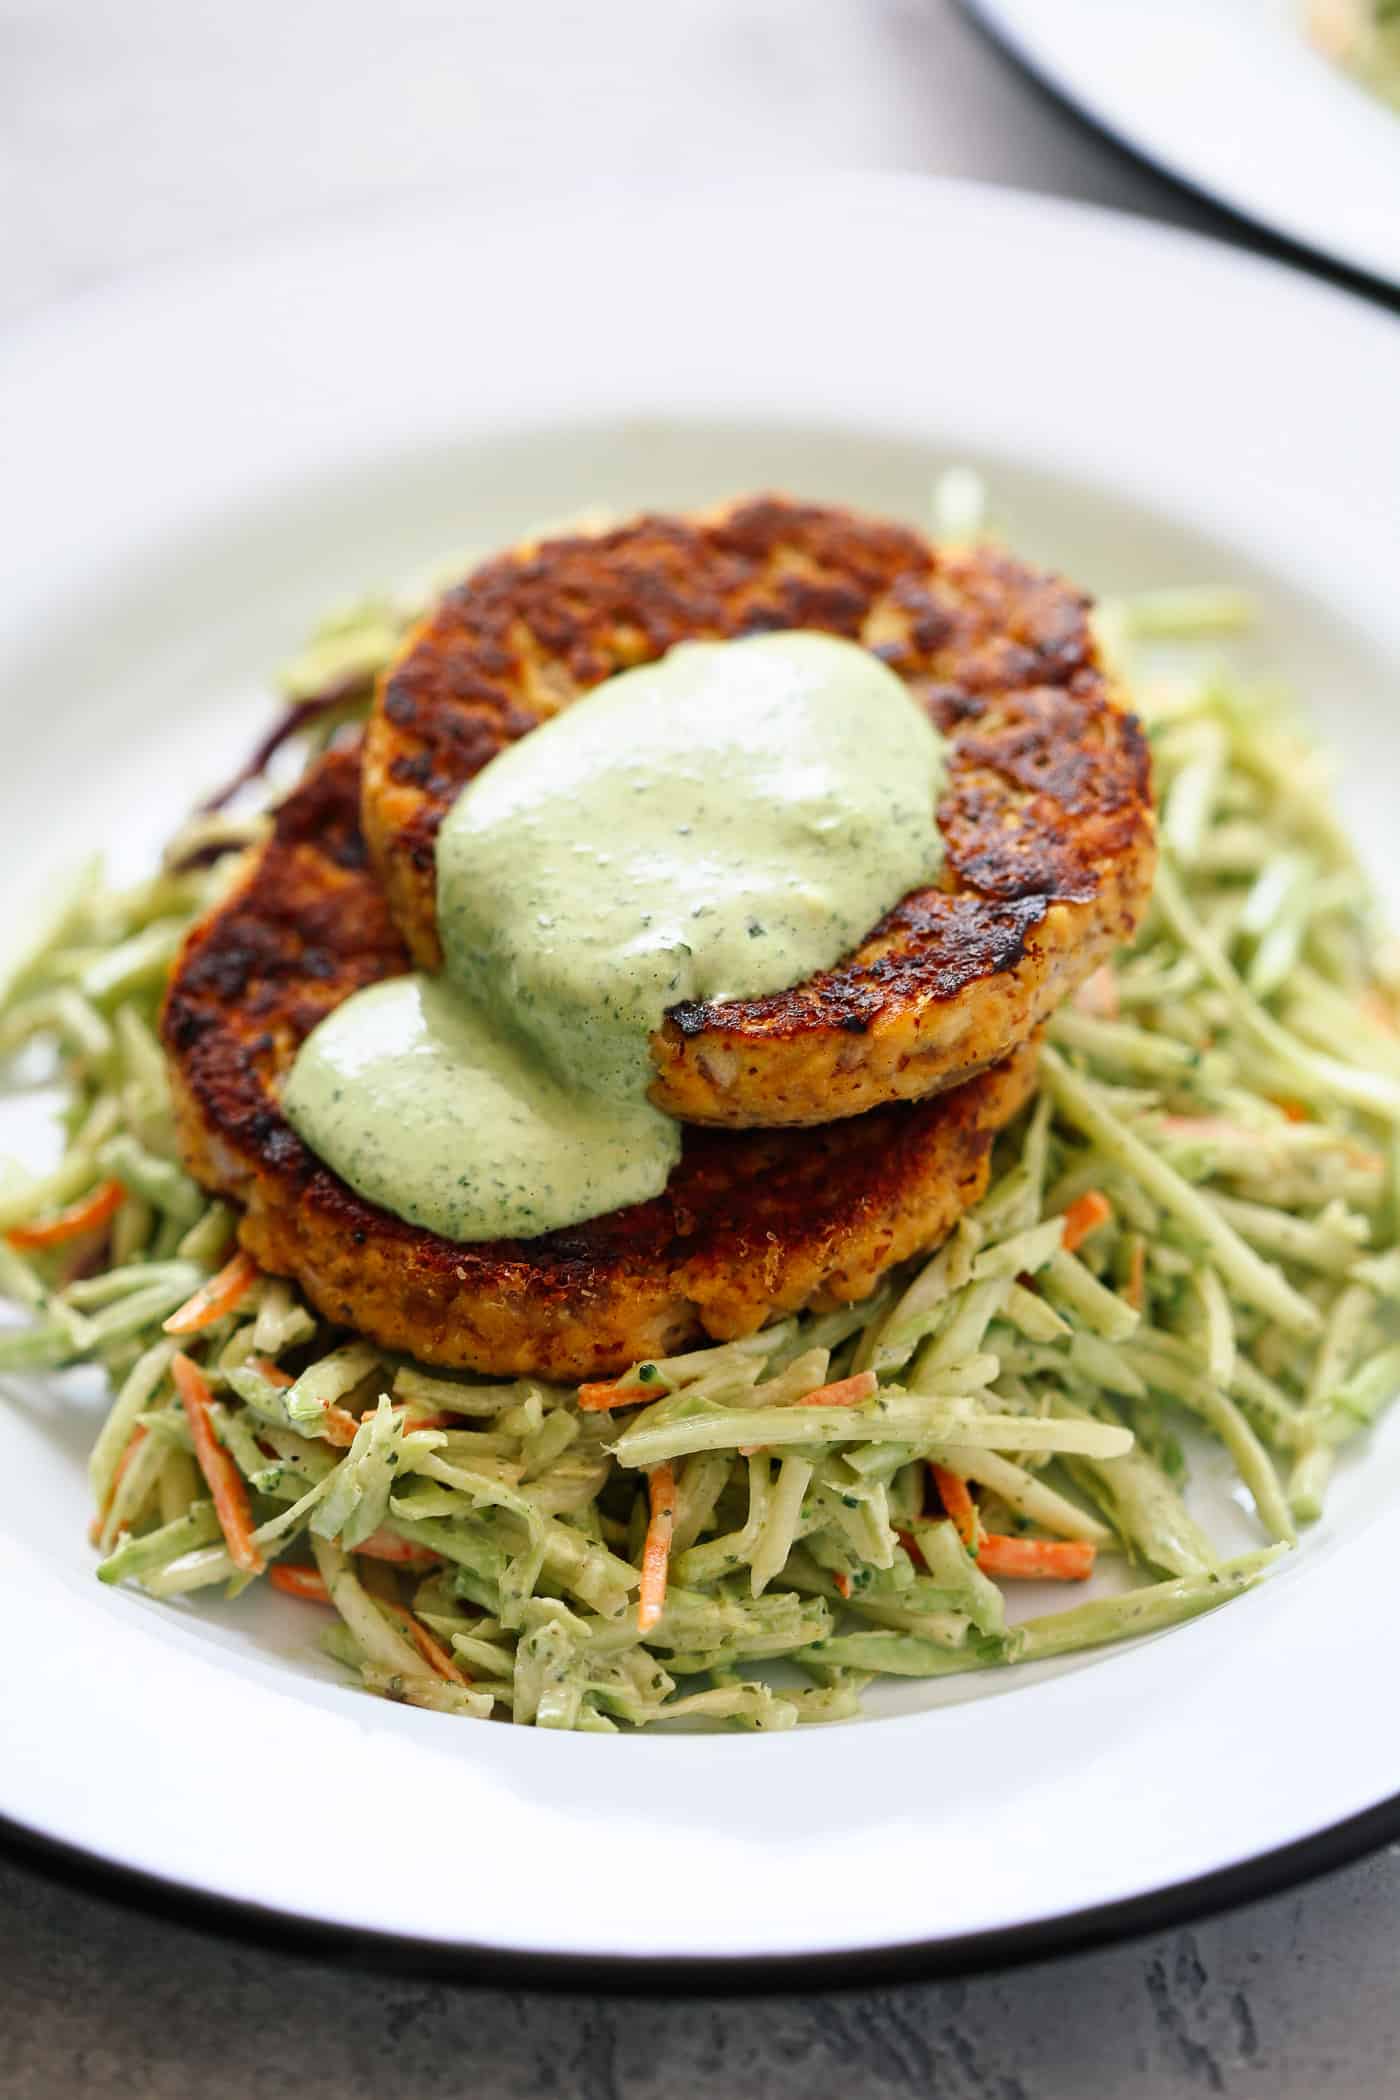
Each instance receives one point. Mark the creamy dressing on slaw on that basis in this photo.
(717, 825)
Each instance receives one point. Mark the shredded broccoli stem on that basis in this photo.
(1231, 1091)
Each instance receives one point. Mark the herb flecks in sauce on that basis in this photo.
(720, 824)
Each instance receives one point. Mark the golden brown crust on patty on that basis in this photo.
(751, 1224)
(1047, 816)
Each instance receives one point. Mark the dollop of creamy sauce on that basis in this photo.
(717, 825)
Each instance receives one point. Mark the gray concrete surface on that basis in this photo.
(1289, 2001)
(155, 129)
(140, 134)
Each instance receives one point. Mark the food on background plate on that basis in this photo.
(639, 1296)
(1363, 37)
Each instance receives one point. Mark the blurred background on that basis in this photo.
(162, 132)
(162, 129)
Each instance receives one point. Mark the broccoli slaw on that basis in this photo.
(1196, 1221)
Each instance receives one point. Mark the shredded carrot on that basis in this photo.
(220, 1295)
(436, 1657)
(134, 1442)
(954, 1494)
(1295, 1111)
(340, 1424)
(1098, 995)
(594, 1398)
(1136, 1292)
(656, 1552)
(386, 1545)
(1370, 1162)
(1378, 1008)
(1204, 1128)
(846, 1392)
(405, 1412)
(307, 1583)
(225, 1480)
(843, 1583)
(1044, 1560)
(272, 1373)
(299, 1582)
(1085, 1215)
(94, 1210)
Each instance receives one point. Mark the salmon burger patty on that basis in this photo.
(1046, 817)
(752, 1224)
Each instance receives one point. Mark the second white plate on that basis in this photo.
(1231, 97)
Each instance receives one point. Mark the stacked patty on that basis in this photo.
(833, 1129)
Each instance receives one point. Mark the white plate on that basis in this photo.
(1231, 97)
(196, 467)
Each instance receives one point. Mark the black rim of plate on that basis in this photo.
(1241, 225)
(1133, 1917)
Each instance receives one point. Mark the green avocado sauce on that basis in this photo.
(717, 825)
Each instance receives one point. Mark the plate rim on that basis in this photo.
(257, 1926)
(1238, 1880)
(1007, 24)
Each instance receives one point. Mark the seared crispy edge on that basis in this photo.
(752, 1224)
(1047, 817)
